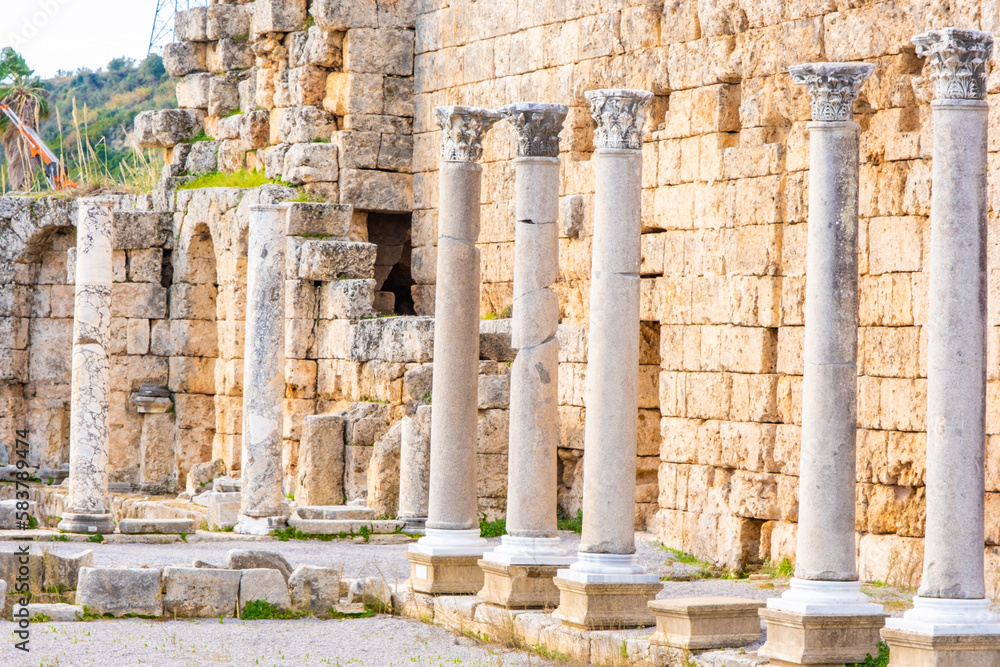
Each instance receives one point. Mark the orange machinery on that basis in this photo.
(55, 172)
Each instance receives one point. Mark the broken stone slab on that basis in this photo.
(59, 612)
(325, 260)
(200, 477)
(46, 570)
(223, 510)
(206, 565)
(200, 593)
(335, 513)
(253, 559)
(314, 588)
(264, 584)
(145, 526)
(9, 514)
(120, 591)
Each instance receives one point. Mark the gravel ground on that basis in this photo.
(383, 641)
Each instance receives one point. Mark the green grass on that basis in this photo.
(258, 610)
(235, 112)
(494, 528)
(32, 523)
(782, 569)
(97, 539)
(565, 522)
(40, 617)
(202, 136)
(237, 179)
(881, 660)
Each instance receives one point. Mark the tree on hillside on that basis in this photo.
(25, 94)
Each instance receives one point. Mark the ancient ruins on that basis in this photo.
(723, 273)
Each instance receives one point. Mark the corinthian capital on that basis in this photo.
(537, 126)
(832, 86)
(463, 129)
(620, 115)
(957, 61)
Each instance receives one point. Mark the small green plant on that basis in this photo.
(489, 316)
(258, 610)
(88, 615)
(242, 39)
(365, 532)
(782, 569)
(494, 528)
(40, 617)
(235, 112)
(881, 660)
(427, 398)
(549, 654)
(237, 179)
(369, 399)
(61, 538)
(201, 136)
(316, 236)
(507, 312)
(321, 140)
(32, 522)
(97, 539)
(565, 522)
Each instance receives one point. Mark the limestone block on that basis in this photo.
(267, 585)
(346, 299)
(228, 21)
(310, 163)
(354, 93)
(191, 25)
(255, 130)
(395, 153)
(182, 58)
(47, 570)
(345, 14)
(203, 158)
(334, 260)
(274, 160)
(321, 461)
(9, 513)
(494, 391)
(192, 375)
(227, 127)
(200, 593)
(493, 432)
(302, 125)
(385, 51)
(377, 190)
(145, 266)
(223, 98)
(132, 230)
(229, 55)
(137, 341)
(320, 219)
(324, 48)
(157, 526)
(357, 150)
(120, 591)
(166, 128)
(383, 473)
(356, 461)
(195, 338)
(300, 378)
(192, 302)
(192, 90)
(278, 16)
(313, 588)
(223, 510)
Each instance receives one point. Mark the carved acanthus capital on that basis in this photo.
(463, 129)
(620, 115)
(833, 87)
(537, 126)
(957, 59)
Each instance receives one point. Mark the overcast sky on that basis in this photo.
(69, 34)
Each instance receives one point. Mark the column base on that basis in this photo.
(259, 525)
(825, 598)
(95, 524)
(706, 623)
(519, 586)
(444, 575)
(821, 640)
(942, 616)
(414, 525)
(605, 605)
(913, 649)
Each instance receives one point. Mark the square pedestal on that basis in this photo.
(910, 649)
(705, 623)
(445, 575)
(824, 641)
(605, 606)
(519, 586)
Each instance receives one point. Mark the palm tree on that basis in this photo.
(26, 96)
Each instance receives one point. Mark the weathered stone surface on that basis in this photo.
(182, 58)
(264, 584)
(58, 612)
(223, 510)
(47, 570)
(200, 475)
(249, 559)
(310, 163)
(200, 593)
(383, 474)
(9, 513)
(323, 260)
(313, 588)
(167, 127)
(376, 190)
(140, 526)
(120, 591)
(321, 461)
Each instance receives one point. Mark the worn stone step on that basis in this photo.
(57, 611)
(145, 526)
(335, 513)
(320, 527)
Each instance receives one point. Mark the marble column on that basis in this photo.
(444, 561)
(261, 502)
(826, 580)
(87, 506)
(951, 600)
(532, 534)
(607, 548)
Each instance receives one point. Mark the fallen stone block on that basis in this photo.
(47, 571)
(264, 584)
(252, 559)
(59, 612)
(120, 591)
(145, 526)
(314, 588)
(200, 593)
(223, 510)
(9, 514)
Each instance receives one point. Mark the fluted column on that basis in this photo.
(261, 501)
(826, 572)
(87, 507)
(452, 520)
(952, 596)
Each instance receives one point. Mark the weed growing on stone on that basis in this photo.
(202, 136)
(237, 179)
(881, 660)
(494, 528)
(365, 532)
(259, 610)
(97, 539)
(40, 617)
(60, 538)
(32, 523)
(549, 654)
(565, 522)
(782, 569)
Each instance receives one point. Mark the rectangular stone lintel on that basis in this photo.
(916, 650)
(519, 586)
(445, 575)
(706, 623)
(810, 639)
(605, 606)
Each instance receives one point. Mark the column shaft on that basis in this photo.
(263, 370)
(453, 502)
(826, 549)
(956, 355)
